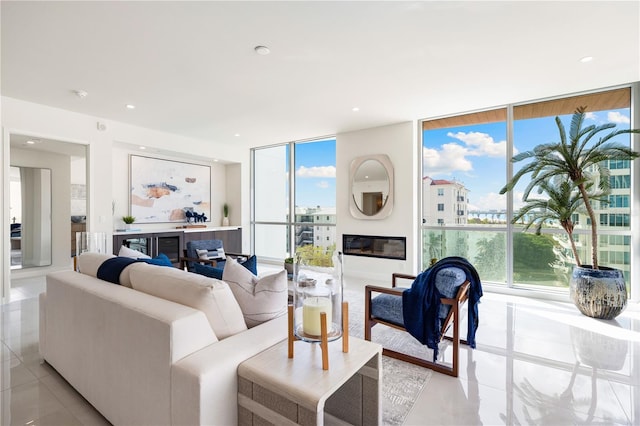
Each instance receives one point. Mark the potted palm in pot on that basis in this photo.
(580, 159)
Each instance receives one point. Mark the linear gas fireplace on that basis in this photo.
(375, 246)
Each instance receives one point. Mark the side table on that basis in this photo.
(275, 389)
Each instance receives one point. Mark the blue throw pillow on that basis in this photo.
(208, 271)
(160, 260)
(213, 272)
(251, 264)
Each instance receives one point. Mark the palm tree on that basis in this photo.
(562, 202)
(571, 159)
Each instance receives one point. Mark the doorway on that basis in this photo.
(48, 202)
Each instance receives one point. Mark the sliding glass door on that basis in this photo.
(295, 212)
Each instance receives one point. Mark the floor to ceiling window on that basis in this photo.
(534, 124)
(295, 212)
(463, 168)
(466, 163)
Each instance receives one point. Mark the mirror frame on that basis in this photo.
(387, 208)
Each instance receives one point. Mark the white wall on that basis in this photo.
(36, 120)
(79, 189)
(399, 142)
(120, 180)
(233, 174)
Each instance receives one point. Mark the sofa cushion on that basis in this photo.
(261, 299)
(134, 254)
(213, 297)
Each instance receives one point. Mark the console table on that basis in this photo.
(283, 391)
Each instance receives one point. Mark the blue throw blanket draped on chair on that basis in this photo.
(421, 304)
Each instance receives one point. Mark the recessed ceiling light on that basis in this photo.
(215, 160)
(81, 93)
(355, 109)
(30, 142)
(237, 135)
(262, 50)
(143, 148)
(586, 59)
(129, 106)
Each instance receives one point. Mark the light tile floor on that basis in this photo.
(536, 362)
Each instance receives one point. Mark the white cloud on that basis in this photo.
(452, 157)
(316, 172)
(481, 144)
(490, 201)
(323, 184)
(449, 159)
(591, 116)
(616, 117)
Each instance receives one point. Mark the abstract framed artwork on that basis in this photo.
(165, 190)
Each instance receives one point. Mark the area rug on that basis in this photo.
(401, 382)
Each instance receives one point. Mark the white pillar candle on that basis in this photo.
(311, 308)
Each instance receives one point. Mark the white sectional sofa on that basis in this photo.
(145, 360)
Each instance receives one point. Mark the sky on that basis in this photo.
(475, 155)
(316, 174)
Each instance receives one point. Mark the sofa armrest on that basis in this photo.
(116, 345)
(204, 385)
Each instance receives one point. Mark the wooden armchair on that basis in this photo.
(391, 315)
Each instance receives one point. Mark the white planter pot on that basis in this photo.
(225, 221)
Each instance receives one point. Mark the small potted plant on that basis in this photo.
(225, 214)
(128, 220)
(288, 265)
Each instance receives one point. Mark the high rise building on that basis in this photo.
(444, 202)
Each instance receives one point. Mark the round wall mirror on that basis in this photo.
(371, 187)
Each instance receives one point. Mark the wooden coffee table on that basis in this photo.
(283, 391)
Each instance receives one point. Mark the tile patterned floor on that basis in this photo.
(537, 362)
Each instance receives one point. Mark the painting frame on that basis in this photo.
(162, 190)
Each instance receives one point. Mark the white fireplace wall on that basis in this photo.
(399, 142)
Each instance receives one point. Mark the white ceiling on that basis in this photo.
(190, 67)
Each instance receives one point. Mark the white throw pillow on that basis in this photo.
(134, 254)
(211, 296)
(210, 254)
(203, 254)
(261, 298)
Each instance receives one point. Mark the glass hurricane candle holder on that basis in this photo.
(317, 289)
